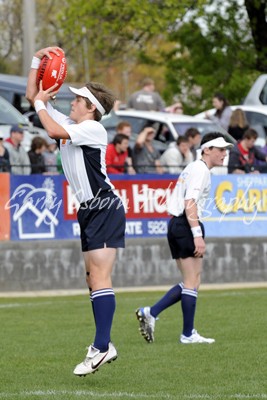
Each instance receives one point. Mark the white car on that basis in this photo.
(168, 126)
(256, 116)
(258, 92)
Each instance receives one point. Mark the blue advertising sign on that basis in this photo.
(44, 207)
(37, 208)
(237, 206)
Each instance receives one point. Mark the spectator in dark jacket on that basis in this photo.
(4, 156)
(38, 147)
(243, 156)
(238, 124)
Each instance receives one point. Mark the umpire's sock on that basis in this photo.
(188, 302)
(170, 298)
(104, 308)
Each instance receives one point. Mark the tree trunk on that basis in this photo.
(256, 10)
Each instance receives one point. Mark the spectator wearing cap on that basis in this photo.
(18, 157)
(4, 156)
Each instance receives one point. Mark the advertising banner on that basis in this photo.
(237, 206)
(44, 207)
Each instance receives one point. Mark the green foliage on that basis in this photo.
(199, 47)
(114, 28)
(42, 339)
(215, 52)
(121, 37)
(3, 66)
(191, 48)
(10, 30)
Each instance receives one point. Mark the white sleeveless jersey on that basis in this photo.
(194, 182)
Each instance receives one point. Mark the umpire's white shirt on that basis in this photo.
(83, 156)
(193, 183)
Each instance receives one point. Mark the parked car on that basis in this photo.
(168, 126)
(257, 95)
(256, 116)
(9, 116)
(13, 89)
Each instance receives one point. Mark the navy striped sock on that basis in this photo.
(104, 308)
(170, 298)
(188, 302)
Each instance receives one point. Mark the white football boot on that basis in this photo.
(146, 323)
(95, 359)
(195, 338)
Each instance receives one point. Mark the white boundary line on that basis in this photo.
(87, 393)
(76, 292)
(78, 393)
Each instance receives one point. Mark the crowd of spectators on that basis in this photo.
(244, 157)
(42, 158)
(140, 157)
(126, 156)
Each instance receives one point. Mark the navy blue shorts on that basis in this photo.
(180, 237)
(102, 222)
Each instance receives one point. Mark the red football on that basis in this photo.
(52, 71)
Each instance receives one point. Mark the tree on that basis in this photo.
(123, 36)
(190, 48)
(257, 13)
(215, 52)
(199, 46)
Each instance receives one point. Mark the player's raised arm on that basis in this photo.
(53, 128)
(32, 88)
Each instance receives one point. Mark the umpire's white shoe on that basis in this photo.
(146, 323)
(195, 338)
(94, 359)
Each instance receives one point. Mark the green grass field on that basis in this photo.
(42, 339)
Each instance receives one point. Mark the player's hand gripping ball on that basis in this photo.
(52, 70)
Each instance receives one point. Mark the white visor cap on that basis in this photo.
(84, 92)
(218, 142)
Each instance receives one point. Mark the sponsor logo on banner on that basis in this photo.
(144, 202)
(237, 206)
(141, 199)
(34, 210)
